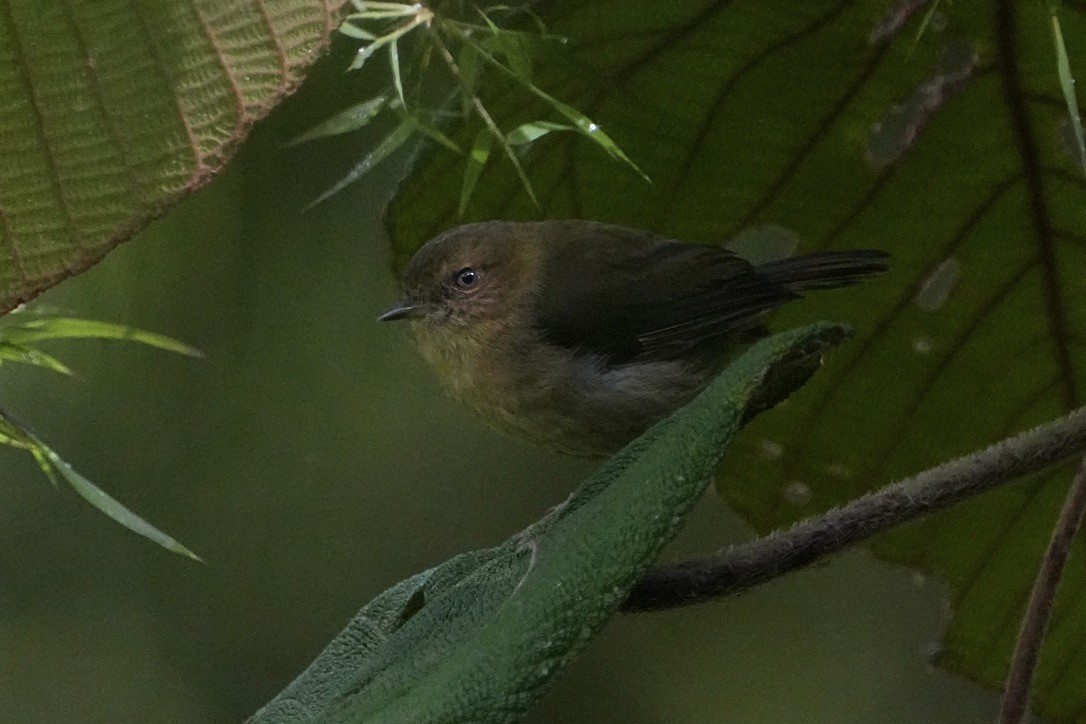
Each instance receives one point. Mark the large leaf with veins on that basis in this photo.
(829, 123)
(113, 110)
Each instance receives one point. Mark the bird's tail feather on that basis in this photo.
(826, 269)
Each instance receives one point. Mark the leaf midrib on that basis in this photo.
(1040, 217)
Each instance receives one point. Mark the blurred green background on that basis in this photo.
(312, 461)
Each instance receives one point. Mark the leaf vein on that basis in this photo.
(808, 145)
(1038, 205)
(725, 90)
(22, 63)
(883, 327)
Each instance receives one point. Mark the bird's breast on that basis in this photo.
(460, 358)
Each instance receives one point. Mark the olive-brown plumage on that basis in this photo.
(579, 336)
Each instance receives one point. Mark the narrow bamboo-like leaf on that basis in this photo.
(402, 11)
(480, 153)
(41, 329)
(45, 465)
(422, 16)
(12, 352)
(364, 8)
(365, 53)
(494, 29)
(113, 508)
(55, 468)
(482, 112)
(12, 433)
(481, 637)
(541, 26)
(468, 79)
(534, 130)
(350, 119)
(433, 132)
(590, 130)
(390, 143)
(394, 61)
(510, 46)
(584, 124)
(420, 73)
(367, 6)
(517, 166)
(353, 31)
(1067, 85)
(517, 53)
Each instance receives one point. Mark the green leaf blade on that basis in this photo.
(55, 469)
(1067, 85)
(53, 328)
(481, 637)
(477, 158)
(80, 79)
(388, 145)
(350, 119)
(776, 129)
(22, 354)
(114, 509)
(528, 132)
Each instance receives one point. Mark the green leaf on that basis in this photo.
(367, 51)
(382, 150)
(41, 329)
(589, 128)
(480, 153)
(13, 435)
(533, 131)
(511, 46)
(55, 468)
(482, 636)
(421, 16)
(354, 31)
(29, 356)
(496, 133)
(111, 117)
(827, 122)
(1067, 85)
(394, 61)
(429, 129)
(350, 119)
(468, 64)
(114, 509)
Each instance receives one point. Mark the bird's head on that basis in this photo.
(471, 274)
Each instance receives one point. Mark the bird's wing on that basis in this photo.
(628, 295)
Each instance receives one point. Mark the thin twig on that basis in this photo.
(745, 565)
(1035, 620)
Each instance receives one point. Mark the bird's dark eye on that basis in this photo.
(467, 278)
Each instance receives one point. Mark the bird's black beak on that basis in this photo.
(403, 309)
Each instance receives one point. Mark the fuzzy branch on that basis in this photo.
(748, 564)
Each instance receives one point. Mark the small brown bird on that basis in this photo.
(578, 336)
